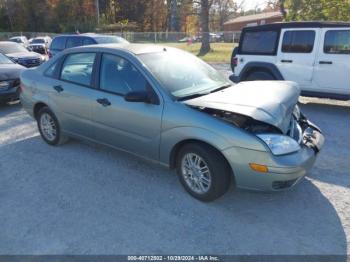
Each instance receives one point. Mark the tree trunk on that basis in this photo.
(204, 17)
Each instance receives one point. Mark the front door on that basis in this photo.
(332, 66)
(131, 126)
(296, 55)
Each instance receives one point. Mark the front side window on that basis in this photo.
(77, 68)
(298, 41)
(119, 76)
(88, 41)
(260, 42)
(337, 42)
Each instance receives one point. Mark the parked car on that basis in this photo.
(63, 42)
(22, 40)
(313, 54)
(9, 79)
(21, 55)
(169, 106)
(40, 45)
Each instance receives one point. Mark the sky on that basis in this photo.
(251, 4)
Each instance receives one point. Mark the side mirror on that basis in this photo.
(137, 96)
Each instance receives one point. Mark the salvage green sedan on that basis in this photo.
(168, 106)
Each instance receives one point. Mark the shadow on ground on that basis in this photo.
(88, 199)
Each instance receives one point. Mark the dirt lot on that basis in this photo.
(87, 199)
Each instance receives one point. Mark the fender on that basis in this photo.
(271, 68)
(179, 134)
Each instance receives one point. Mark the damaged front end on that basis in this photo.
(301, 129)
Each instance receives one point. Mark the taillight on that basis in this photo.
(234, 61)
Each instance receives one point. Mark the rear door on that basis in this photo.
(332, 67)
(73, 93)
(296, 55)
(131, 126)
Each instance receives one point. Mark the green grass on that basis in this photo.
(221, 52)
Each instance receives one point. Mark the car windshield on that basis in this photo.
(8, 48)
(5, 60)
(110, 40)
(183, 75)
(38, 41)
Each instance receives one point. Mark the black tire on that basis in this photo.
(59, 137)
(220, 171)
(259, 75)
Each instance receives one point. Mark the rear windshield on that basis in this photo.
(58, 43)
(259, 42)
(38, 41)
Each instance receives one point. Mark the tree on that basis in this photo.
(204, 22)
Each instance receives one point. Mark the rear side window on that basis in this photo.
(298, 41)
(77, 68)
(74, 42)
(260, 42)
(337, 42)
(88, 41)
(58, 43)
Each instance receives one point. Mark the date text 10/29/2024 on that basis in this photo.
(173, 258)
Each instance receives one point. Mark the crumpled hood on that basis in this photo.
(271, 102)
(10, 71)
(26, 55)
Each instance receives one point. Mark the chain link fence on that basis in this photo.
(140, 37)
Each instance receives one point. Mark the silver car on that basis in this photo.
(170, 107)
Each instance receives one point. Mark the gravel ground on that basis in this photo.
(83, 198)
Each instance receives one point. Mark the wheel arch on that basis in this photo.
(37, 107)
(177, 147)
(260, 66)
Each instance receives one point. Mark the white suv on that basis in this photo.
(316, 55)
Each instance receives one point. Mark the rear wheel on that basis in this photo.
(49, 127)
(203, 172)
(259, 75)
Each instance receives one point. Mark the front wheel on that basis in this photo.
(203, 172)
(49, 127)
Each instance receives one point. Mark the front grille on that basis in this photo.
(283, 184)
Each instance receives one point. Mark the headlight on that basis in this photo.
(280, 144)
(4, 84)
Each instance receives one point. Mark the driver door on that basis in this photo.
(131, 126)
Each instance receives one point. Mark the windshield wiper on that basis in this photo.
(220, 88)
(191, 96)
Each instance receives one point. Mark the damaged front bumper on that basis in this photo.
(284, 171)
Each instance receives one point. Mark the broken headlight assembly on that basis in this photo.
(280, 144)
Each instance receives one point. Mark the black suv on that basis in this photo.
(63, 42)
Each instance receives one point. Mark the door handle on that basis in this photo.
(287, 61)
(103, 101)
(325, 62)
(58, 88)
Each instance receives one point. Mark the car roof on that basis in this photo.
(92, 35)
(311, 24)
(136, 49)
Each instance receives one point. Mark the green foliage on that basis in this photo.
(312, 10)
